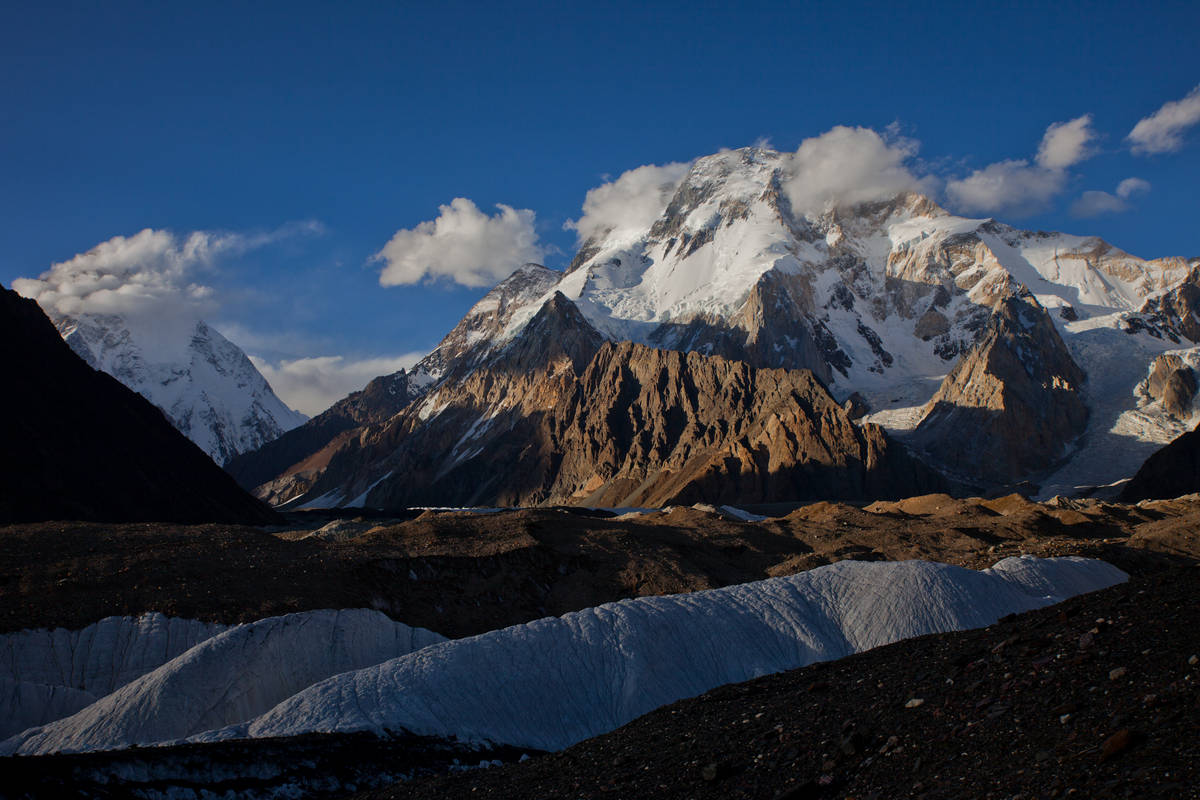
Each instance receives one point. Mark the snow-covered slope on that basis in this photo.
(203, 382)
(229, 677)
(49, 674)
(553, 682)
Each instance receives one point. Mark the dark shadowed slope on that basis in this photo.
(78, 444)
(1170, 472)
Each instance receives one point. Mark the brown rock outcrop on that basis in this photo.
(1011, 404)
(1172, 382)
(561, 418)
(1178, 311)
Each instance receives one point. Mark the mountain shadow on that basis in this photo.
(79, 445)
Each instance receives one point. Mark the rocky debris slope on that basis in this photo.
(462, 573)
(204, 383)
(1012, 405)
(1092, 698)
(80, 445)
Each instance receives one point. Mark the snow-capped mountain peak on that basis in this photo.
(204, 383)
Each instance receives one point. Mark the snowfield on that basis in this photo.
(553, 682)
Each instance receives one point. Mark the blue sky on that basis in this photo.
(313, 132)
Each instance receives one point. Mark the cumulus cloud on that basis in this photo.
(311, 385)
(630, 203)
(1162, 131)
(1014, 187)
(847, 166)
(463, 245)
(1095, 203)
(1066, 143)
(152, 273)
(1131, 186)
(1020, 188)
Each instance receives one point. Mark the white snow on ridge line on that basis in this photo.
(228, 678)
(553, 682)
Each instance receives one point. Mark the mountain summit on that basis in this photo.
(203, 382)
(924, 320)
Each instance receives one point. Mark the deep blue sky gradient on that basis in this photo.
(366, 116)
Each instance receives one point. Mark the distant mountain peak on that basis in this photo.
(204, 383)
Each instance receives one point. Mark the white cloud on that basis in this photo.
(463, 244)
(311, 385)
(847, 166)
(1095, 203)
(1162, 131)
(150, 274)
(1013, 187)
(630, 203)
(1066, 143)
(1019, 188)
(1131, 186)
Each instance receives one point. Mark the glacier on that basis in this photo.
(232, 676)
(552, 682)
(48, 674)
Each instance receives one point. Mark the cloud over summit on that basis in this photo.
(846, 166)
(463, 245)
(630, 203)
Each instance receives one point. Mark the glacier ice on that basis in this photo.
(552, 682)
(556, 681)
(230, 677)
(46, 674)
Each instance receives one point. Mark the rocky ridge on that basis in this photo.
(80, 445)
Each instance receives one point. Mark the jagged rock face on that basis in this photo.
(1172, 471)
(1012, 404)
(487, 320)
(1172, 382)
(1176, 313)
(561, 417)
(80, 445)
(302, 452)
(203, 382)
(652, 427)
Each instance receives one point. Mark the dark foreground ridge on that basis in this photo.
(1097, 697)
(80, 445)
